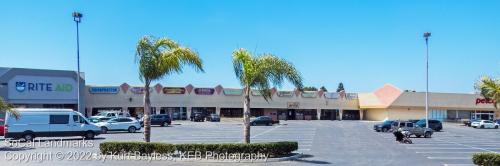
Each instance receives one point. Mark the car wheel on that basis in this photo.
(482, 126)
(496, 127)
(165, 124)
(377, 130)
(384, 129)
(418, 136)
(89, 135)
(254, 124)
(104, 130)
(427, 135)
(131, 129)
(269, 124)
(28, 137)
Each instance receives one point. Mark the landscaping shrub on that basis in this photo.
(271, 148)
(486, 159)
(142, 147)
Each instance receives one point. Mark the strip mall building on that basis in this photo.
(57, 90)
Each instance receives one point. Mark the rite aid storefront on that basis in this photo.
(34, 88)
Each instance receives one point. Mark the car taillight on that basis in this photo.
(5, 129)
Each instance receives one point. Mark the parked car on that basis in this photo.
(416, 130)
(197, 117)
(2, 128)
(98, 119)
(435, 125)
(484, 124)
(158, 119)
(213, 118)
(469, 122)
(385, 126)
(35, 122)
(263, 120)
(111, 114)
(119, 124)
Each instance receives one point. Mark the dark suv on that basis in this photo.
(159, 119)
(385, 126)
(198, 117)
(435, 125)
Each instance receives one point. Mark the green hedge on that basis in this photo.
(273, 149)
(486, 159)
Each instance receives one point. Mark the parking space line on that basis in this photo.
(446, 152)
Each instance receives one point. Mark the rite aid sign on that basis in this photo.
(39, 87)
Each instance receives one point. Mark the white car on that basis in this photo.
(111, 114)
(119, 124)
(484, 124)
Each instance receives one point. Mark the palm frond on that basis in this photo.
(489, 88)
(5, 107)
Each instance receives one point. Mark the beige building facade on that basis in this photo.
(387, 102)
(181, 102)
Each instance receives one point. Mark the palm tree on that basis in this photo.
(260, 72)
(5, 107)
(157, 59)
(490, 89)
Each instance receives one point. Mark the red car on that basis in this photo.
(2, 128)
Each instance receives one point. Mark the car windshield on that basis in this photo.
(388, 122)
(101, 114)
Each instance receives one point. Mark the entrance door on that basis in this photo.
(291, 115)
(350, 115)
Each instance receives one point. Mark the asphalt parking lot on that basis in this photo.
(455, 145)
(321, 142)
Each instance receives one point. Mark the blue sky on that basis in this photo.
(362, 43)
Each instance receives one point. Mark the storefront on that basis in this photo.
(34, 88)
(390, 102)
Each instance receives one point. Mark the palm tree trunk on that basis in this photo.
(246, 116)
(147, 113)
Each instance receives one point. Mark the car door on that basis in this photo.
(60, 125)
(112, 124)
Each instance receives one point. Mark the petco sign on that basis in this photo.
(38, 87)
(484, 101)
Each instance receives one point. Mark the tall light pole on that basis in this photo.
(426, 36)
(77, 17)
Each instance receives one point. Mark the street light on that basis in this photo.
(77, 17)
(426, 36)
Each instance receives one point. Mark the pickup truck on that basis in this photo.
(416, 130)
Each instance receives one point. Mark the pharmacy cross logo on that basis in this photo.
(20, 86)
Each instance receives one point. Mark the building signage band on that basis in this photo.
(233, 92)
(309, 94)
(256, 93)
(292, 105)
(285, 93)
(204, 91)
(332, 95)
(42, 87)
(173, 90)
(104, 90)
(140, 90)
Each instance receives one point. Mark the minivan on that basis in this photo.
(36, 122)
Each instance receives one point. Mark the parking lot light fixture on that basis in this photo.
(77, 17)
(426, 36)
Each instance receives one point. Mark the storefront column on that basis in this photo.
(125, 109)
(158, 110)
(188, 111)
(89, 111)
(361, 114)
(217, 110)
(318, 114)
(340, 113)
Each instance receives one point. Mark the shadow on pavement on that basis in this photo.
(303, 159)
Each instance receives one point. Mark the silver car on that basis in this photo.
(417, 131)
